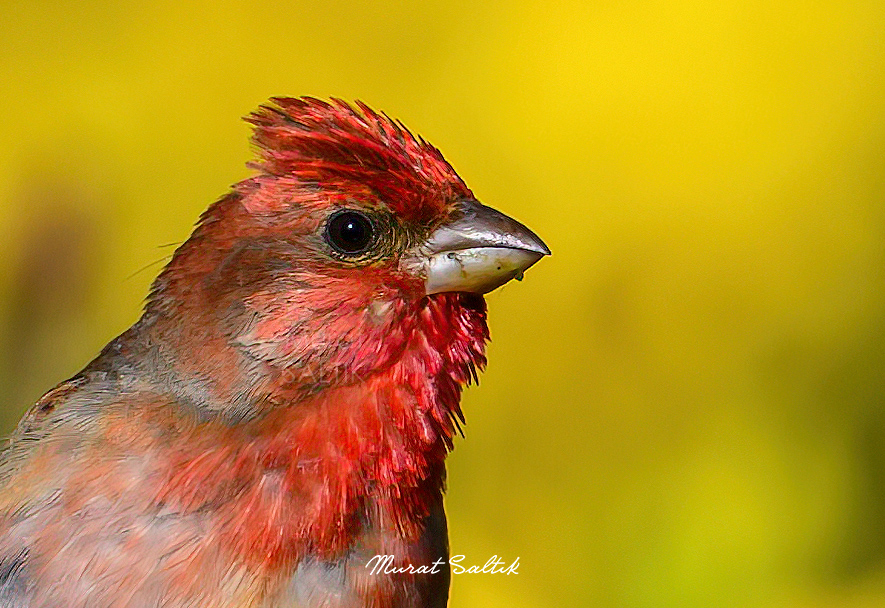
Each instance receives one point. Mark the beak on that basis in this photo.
(477, 250)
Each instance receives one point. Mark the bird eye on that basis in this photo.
(349, 232)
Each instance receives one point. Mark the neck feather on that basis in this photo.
(368, 454)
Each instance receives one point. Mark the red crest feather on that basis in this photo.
(339, 147)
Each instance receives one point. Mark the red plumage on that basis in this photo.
(282, 410)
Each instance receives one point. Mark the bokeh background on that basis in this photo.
(685, 404)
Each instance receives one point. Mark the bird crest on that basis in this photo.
(338, 146)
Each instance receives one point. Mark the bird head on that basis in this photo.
(354, 245)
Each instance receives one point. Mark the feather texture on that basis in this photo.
(277, 416)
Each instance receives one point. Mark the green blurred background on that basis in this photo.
(685, 404)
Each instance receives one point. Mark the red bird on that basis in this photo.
(282, 411)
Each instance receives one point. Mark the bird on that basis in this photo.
(282, 410)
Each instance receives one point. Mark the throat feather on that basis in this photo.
(309, 478)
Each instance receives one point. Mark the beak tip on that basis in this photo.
(530, 241)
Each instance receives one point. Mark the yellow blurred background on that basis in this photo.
(685, 404)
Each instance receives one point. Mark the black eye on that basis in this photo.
(349, 232)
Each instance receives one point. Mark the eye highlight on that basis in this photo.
(350, 232)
